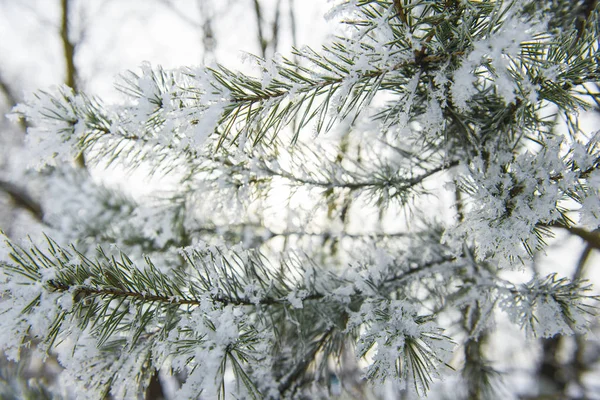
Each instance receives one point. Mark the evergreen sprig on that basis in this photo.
(125, 307)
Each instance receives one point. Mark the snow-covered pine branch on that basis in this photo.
(228, 304)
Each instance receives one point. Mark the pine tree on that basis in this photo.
(342, 223)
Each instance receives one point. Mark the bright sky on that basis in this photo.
(118, 35)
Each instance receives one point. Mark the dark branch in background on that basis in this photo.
(69, 53)
(591, 238)
(203, 25)
(261, 37)
(155, 390)
(293, 24)
(7, 92)
(275, 31)
(209, 41)
(263, 234)
(68, 47)
(581, 362)
(22, 199)
(556, 372)
(12, 99)
(477, 371)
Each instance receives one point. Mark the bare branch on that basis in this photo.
(592, 238)
(293, 23)
(12, 99)
(68, 47)
(70, 70)
(209, 40)
(261, 37)
(275, 29)
(22, 199)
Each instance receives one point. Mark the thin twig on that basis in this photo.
(401, 184)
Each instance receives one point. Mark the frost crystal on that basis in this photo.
(496, 54)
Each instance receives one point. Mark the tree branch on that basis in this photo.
(22, 199)
(401, 184)
(326, 83)
(293, 23)
(591, 238)
(68, 47)
(266, 233)
(275, 28)
(81, 291)
(12, 99)
(70, 69)
(400, 12)
(7, 92)
(261, 37)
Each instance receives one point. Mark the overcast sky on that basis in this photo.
(114, 36)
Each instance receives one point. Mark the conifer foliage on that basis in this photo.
(341, 223)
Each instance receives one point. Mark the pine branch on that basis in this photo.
(113, 296)
(295, 87)
(548, 305)
(251, 109)
(82, 292)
